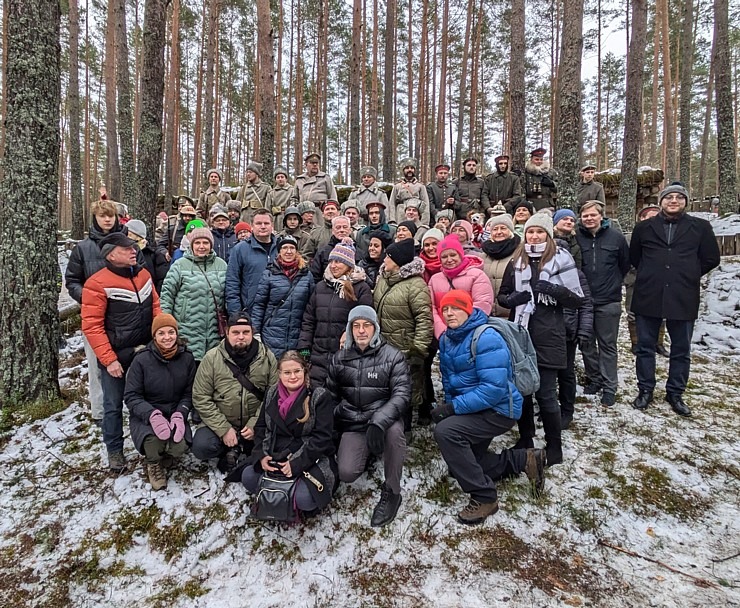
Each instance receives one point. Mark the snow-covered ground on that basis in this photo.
(664, 489)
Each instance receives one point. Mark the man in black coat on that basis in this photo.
(671, 252)
(371, 383)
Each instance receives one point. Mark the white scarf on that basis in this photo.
(560, 270)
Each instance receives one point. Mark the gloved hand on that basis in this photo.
(159, 425)
(375, 438)
(546, 181)
(442, 411)
(177, 424)
(305, 353)
(548, 288)
(518, 298)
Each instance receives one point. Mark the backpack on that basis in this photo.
(526, 376)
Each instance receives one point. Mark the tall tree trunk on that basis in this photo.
(569, 96)
(125, 128)
(516, 85)
(149, 157)
(28, 258)
(172, 113)
(726, 153)
(279, 91)
(687, 66)
(633, 115)
(653, 144)
(389, 151)
(198, 130)
(443, 81)
(474, 82)
(299, 79)
(410, 80)
(354, 94)
(3, 67)
(374, 126)
(211, 27)
(266, 87)
(457, 165)
(598, 85)
(73, 105)
(707, 129)
(669, 128)
(113, 163)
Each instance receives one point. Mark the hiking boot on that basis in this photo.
(678, 405)
(643, 399)
(476, 512)
(608, 399)
(386, 509)
(591, 389)
(156, 474)
(116, 462)
(535, 470)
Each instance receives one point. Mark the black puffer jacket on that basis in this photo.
(606, 259)
(321, 259)
(579, 322)
(155, 383)
(157, 265)
(371, 387)
(324, 323)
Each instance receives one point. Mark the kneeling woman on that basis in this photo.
(158, 394)
(293, 437)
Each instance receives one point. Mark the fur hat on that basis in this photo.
(136, 227)
(448, 213)
(164, 320)
(498, 209)
(344, 252)
(256, 167)
(218, 211)
(306, 206)
(433, 233)
(200, 233)
(233, 206)
(498, 220)
(457, 298)
(112, 240)
(217, 172)
(280, 170)
(450, 242)
(675, 188)
(372, 171)
(408, 162)
(401, 252)
(411, 227)
(541, 220)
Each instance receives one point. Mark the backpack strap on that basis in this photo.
(477, 333)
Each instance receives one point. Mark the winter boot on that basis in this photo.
(116, 462)
(551, 423)
(526, 425)
(476, 512)
(387, 508)
(157, 476)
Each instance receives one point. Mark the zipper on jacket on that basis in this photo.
(136, 291)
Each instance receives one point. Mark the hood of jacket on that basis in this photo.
(415, 268)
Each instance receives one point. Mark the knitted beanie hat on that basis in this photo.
(410, 225)
(136, 228)
(286, 240)
(242, 226)
(497, 220)
(450, 242)
(384, 237)
(193, 224)
(466, 225)
(344, 252)
(561, 213)
(402, 252)
(458, 299)
(163, 320)
(542, 220)
(675, 188)
(435, 233)
(200, 233)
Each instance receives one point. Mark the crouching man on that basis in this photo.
(481, 402)
(370, 381)
(228, 390)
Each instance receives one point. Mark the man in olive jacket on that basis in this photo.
(228, 390)
(670, 252)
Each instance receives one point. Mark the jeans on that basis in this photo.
(600, 353)
(680, 332)
(112, 411)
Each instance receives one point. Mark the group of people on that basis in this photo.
(304, 350)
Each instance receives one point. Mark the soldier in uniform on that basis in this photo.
(443, 194)
(278, 199)
(313, 184)
(408, 187)
(538, 182)
(588, 189)
(213, 195)
(501, 186)
(253, 194)
(470, 187)
(368, 191)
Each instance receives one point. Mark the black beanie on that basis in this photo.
(401, 252)
(411, 226)
(383, 236)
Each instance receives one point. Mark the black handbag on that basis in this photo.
(275, 498)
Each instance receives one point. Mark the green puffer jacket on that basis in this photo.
(221, 400)
(187, 297)
(404, 306)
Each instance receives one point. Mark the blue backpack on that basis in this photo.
(526, 376)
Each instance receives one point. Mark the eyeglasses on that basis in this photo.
(674, 197)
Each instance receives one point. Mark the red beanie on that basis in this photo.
(459, 299)
(450, 242)
(242, 226)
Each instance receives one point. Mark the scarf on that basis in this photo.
(451, 273)
(334, 283)
(498, 250)
(169, 352)
(431, 265)
(560, 270)
(290, 269)
(287, 399)
(245, 358)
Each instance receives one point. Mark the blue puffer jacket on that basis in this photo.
(247, 262)
(276, 315)
(473, 386)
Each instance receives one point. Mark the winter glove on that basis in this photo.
(177, 424)
(546, 181)
(375, 439)
(441, 412)
(305, 353)
(518, 298)
(159, 425)
(549, 289)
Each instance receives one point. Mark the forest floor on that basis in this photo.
(643, 512)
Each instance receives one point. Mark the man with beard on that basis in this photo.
(313, 185)
(368, 191)
(228, 390)
(470, 187)
(501, 186)
(408, 187)
(588, 189)
(253, 194)
(443, 194)
(213, 195)
(537, 181)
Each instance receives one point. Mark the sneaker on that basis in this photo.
(608, 399)
(156, 476)
(535, 470)
(591, 389)
(116, 462)
(386, 509)
(476, 512)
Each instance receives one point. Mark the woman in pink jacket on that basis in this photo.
(459, 271)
